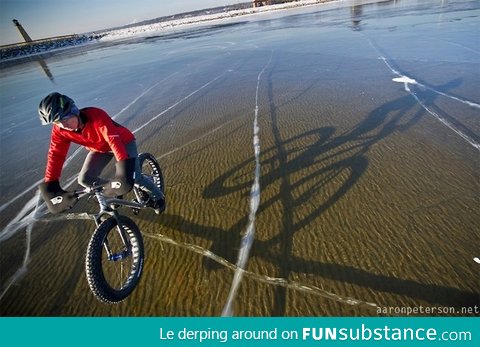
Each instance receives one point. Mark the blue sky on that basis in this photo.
(45, 18)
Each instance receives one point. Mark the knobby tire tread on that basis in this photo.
(93, 264)
(152, 162)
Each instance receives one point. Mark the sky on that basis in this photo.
(46, 18)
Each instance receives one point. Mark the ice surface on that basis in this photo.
(180, 92)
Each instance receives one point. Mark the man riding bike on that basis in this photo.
(92, 128)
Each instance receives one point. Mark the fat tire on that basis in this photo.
(155, 167)
(93, 264)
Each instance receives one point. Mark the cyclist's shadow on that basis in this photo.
(330, 162)
(305, 166)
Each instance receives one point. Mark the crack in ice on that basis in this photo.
(249, 236)
(407, 81)
(276, 281)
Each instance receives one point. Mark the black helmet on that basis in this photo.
(55, 106)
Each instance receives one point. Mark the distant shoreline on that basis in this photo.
(161, 25)
(25, 50)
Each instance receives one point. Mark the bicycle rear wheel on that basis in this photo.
(114, 260)
(151, 170)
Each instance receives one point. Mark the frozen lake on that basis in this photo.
(367, 163)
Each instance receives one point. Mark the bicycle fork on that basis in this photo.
(127, 246)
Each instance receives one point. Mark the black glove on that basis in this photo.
(124, 178)
(57, 199)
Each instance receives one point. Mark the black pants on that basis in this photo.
(95, 162)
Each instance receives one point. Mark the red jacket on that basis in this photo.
(99, 134)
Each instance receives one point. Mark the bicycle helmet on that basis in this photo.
(55, 106)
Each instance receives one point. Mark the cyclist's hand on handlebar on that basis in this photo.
(57, 199)
(124, 178)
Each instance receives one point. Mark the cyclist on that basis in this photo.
(92, 128)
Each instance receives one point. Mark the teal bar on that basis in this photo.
(250, 332)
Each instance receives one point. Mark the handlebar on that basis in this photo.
(88, 190)
(106, 202)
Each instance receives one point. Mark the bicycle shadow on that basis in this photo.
(382, 122)
(338, 160)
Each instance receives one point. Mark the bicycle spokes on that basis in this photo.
(118, 260)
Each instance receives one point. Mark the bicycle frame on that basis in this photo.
(108, 205)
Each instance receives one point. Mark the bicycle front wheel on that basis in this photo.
(114, 260)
